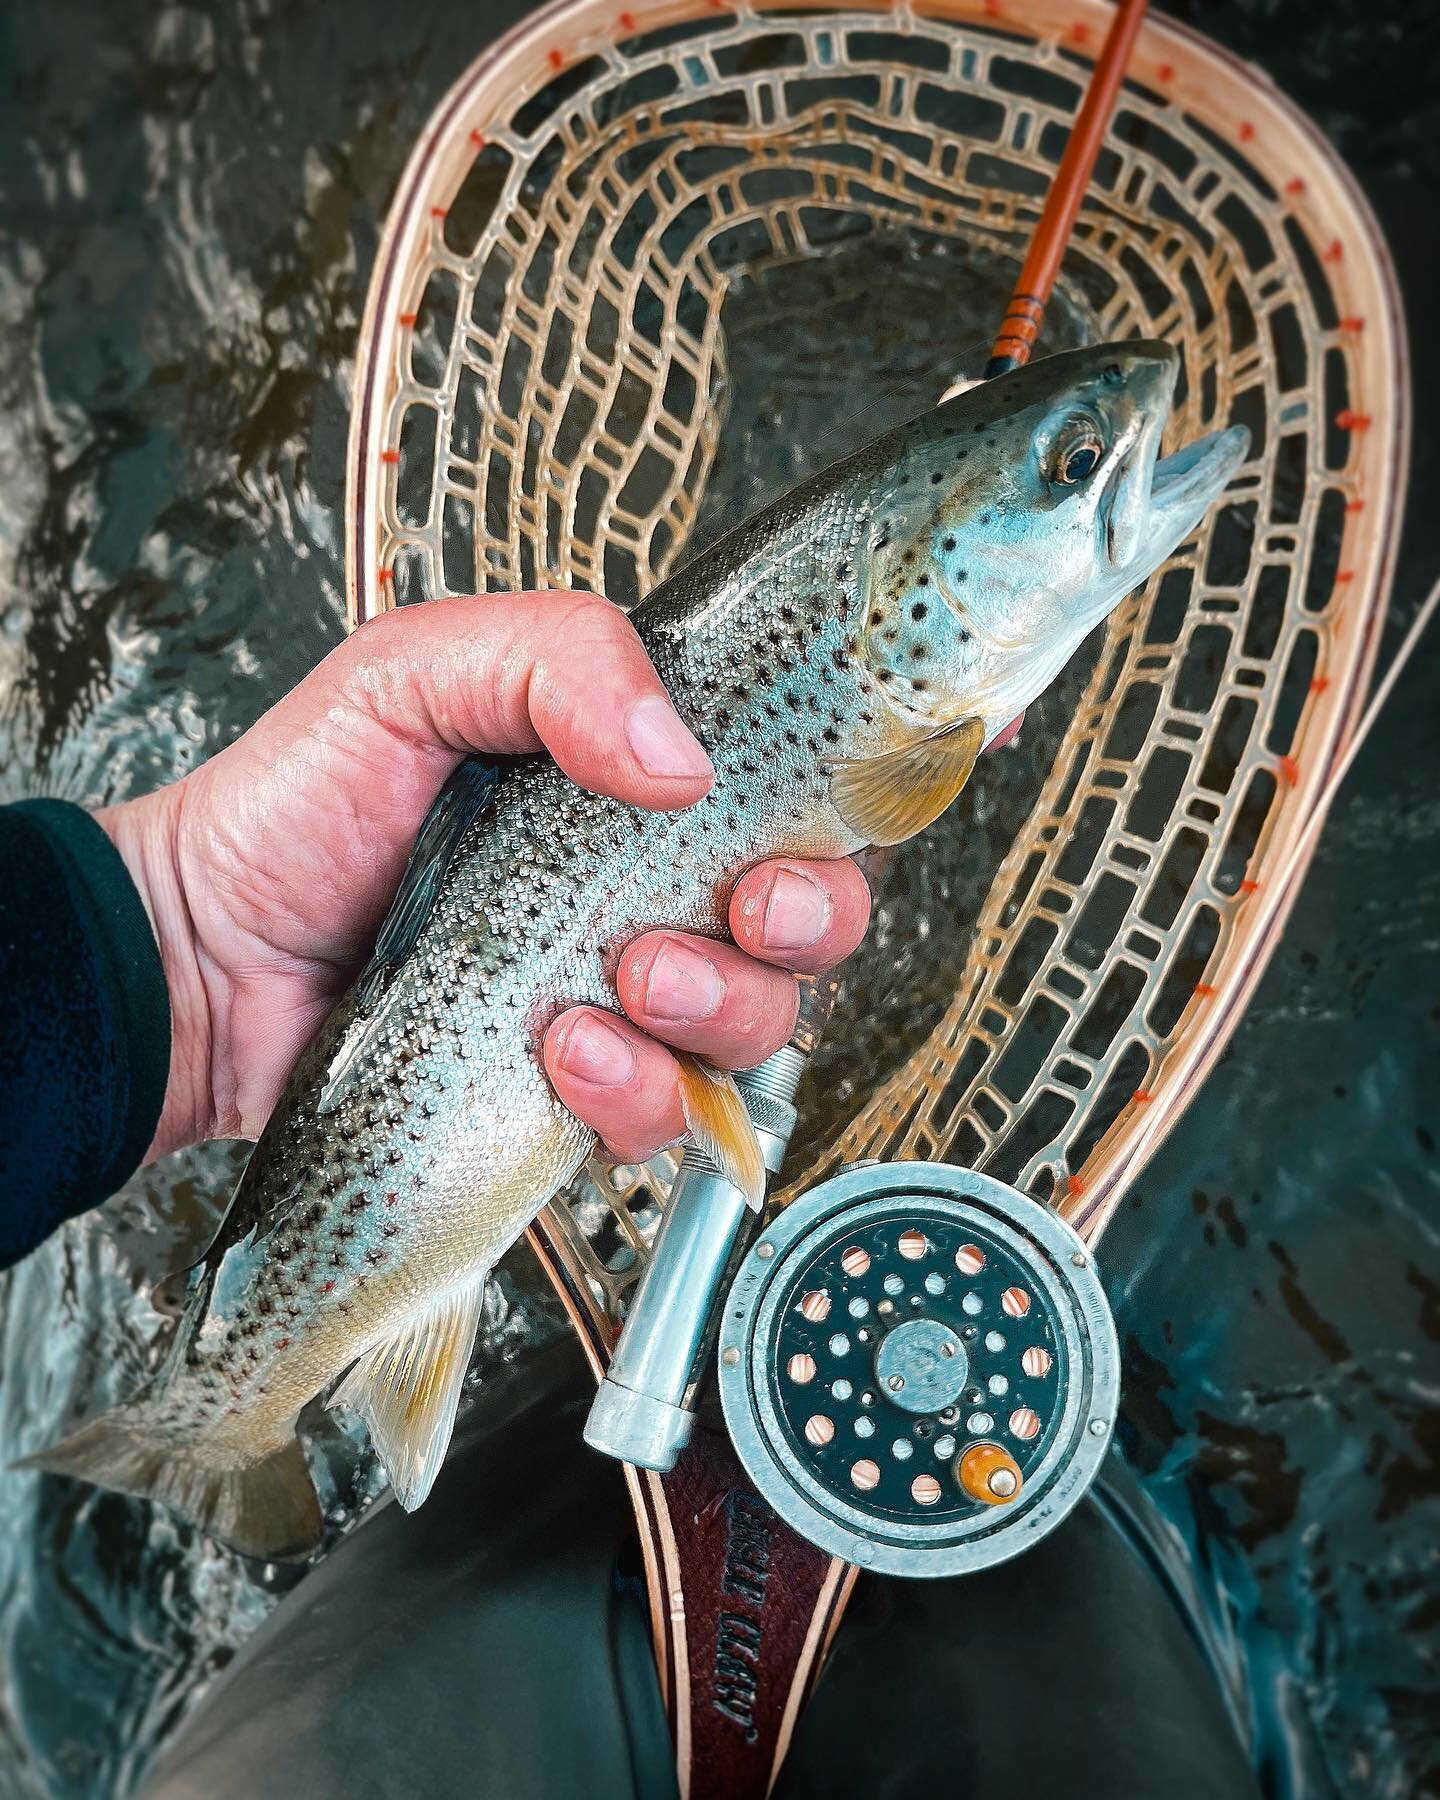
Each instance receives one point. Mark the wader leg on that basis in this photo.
(483, 1647)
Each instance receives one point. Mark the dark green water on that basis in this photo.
(189, 204)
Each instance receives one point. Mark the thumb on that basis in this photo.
(510, 673)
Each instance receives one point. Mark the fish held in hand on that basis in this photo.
(844, 656)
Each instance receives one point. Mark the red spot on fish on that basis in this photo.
(1204, 991)
(390, 456)
(1075, 1185)
(384, 575)
(1319, 683)
(1344, 578)
(1247, 131)
(1142, 1097)
(1335, 252)
(627, 21)
(1165, 73)
(439, 212)
(1080, 32)
(1349, 420)
(1354, 506)
(328, 1287)
(1352, 323)
(1295, 186)
(283, 1344)
(477, 138)
(556, 59)
(391, 1199)
(1290, 769)
(1247, 886)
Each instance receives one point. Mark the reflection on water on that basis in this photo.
(187, 217)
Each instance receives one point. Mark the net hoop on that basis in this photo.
(1307, 225)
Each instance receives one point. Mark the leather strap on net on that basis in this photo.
(750, 1609)
(743, 1609)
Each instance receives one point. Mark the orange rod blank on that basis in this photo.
(1021, 324)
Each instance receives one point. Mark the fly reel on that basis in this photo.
(919, 1368)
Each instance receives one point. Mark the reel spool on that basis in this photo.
(919, 1368)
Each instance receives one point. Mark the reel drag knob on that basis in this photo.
(919, 1368)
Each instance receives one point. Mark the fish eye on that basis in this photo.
(1076, 453)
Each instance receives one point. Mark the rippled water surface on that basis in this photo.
(189, 203)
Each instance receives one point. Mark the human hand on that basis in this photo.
(268, 870)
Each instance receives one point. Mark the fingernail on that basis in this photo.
(683, 984)
(597, 1052)
(661, 743)
(797, 912)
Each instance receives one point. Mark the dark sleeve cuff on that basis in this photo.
(85, 1020)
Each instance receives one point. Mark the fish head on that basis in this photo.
(1017, 516)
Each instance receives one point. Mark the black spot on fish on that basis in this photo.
(919, 611)
(924, 581)
(918, 653)
(962, 574)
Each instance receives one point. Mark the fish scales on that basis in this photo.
(450, 1112)
(842, 657)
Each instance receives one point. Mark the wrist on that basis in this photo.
(145, 832)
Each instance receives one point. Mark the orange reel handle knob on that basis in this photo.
(990, 1474)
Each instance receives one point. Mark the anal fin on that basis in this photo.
(408, 1388)
(720, 1126)
(887, 799)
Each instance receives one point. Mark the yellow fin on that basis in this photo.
(720, 1126)
(407, 1389)
(886, 799)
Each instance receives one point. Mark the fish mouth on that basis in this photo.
(1183, 487)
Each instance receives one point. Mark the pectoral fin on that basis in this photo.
(721, 1127)
(886, 799)
(407, 1390)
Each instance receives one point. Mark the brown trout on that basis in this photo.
(843, 656)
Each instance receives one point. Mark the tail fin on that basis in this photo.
(267, 1509)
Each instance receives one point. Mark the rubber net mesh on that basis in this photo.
(558, 400)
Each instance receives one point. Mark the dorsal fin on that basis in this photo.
(886, 799)
(407, 1389)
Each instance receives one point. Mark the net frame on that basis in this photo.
(1210, 184)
